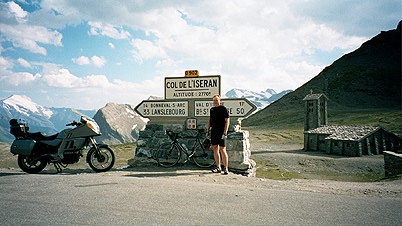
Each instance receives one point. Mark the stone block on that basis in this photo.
(392, 163)
(142, 152)
(238, 135)
(160, 134)
(246, 168)
(142, 162)
(175, 127)
(154, 143)
(146, 134)
(154, 127)
(234, 145)
(236, 156)
(141, 143)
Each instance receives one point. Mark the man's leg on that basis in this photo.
(225, 158)
(217, 156)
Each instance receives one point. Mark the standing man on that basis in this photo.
(218, 124)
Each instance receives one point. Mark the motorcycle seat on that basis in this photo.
(39, 136)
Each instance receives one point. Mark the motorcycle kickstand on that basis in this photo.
(58, 167)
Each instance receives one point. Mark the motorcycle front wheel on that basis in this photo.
(31, 165)
(101, 161)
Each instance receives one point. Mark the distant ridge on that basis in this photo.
(260, 99)
(39, 118)
(369, 77)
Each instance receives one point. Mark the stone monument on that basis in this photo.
(185, 108)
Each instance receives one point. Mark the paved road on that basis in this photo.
(133, 198)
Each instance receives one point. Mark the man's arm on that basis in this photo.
(227, 122)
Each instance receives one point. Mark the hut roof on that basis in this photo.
(314, 96)
(350, 133)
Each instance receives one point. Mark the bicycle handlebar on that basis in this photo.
(174, 135)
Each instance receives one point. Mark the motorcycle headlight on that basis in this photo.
(93, 126)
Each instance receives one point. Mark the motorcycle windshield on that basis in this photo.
(89, 127)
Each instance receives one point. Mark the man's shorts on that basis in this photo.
(216, 138)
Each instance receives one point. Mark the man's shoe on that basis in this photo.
(216, 170)
(225, 172)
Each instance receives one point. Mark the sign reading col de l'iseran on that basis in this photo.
(202, 87)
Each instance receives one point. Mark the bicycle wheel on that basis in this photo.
(167, 155)
(202, 157)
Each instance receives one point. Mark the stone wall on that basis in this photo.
(238, 149)
(392, 163)
(237, 146)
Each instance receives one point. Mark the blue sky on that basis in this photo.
(84, 54)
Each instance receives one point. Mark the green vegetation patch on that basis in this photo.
(268, 170)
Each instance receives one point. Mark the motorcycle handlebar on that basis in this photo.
(74, 123)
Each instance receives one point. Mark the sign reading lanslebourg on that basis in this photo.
(191, 97)
(162, 108)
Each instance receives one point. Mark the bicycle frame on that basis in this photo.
(187, 152)
(169, 159)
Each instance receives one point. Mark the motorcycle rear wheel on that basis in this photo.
(101, 162)
(31, 165)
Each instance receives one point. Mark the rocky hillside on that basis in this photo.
(119, 123)
(369, 77)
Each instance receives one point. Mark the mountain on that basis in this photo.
(39, 118)
(23, 107)
(260, 99)
(367, 78)
(119, 123)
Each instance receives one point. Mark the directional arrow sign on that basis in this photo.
(239, 107)
(154, 108)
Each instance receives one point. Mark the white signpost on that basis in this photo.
(202, 87)
(240, 107)
(190, 98)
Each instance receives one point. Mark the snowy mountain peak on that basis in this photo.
(270, 91)
(242, 93)
(25, 106)
(260, 99)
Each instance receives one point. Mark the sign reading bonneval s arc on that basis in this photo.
(202, 87)
(161, 108)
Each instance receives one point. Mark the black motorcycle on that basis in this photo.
(36, 150)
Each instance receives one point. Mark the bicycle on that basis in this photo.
(169, 154)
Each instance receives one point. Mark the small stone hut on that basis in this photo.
(343, 140)
(351, 140)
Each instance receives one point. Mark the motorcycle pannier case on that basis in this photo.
(22, 147)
